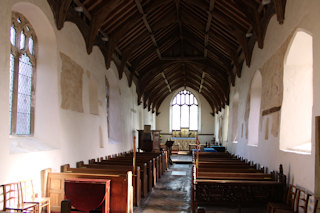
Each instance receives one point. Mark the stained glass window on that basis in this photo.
(185, 111)
(22, 67)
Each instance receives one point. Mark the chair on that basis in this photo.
(28, 196)
(316, 207)
(12, 200)
(289, 204)
(301, 203)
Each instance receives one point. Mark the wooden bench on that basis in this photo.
(151, 168)
(144, 175)
(121, 192)
(222, 179)
(236, 192)
(157, 162)
(237, 170)
(235, 176)
(136, 180)
(163, 157)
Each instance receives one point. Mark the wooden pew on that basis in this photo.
(144, 176)
(146, 155)
(236, 192)
(222, 179)
(235, 176)
(214, 154)
(144, 158)
(210, 165)
(239, 170)
(151, 168)
(136, 180)
(163, 159)
(121, 192)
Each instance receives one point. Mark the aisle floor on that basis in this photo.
(173, 192)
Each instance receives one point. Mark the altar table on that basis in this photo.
(183, 142)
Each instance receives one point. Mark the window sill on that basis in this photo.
(253, 145)
(299, 152)
(304, 149)
(26, 144)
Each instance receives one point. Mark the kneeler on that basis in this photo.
(88, 194)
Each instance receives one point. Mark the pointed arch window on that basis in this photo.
(23, 42)
(296, 109)
(234, 133)
(254, 115)
(185, 111)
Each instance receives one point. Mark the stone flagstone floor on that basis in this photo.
(173, 192)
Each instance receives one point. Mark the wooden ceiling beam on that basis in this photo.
(220, 60)
(115, 37)
(254, 19)
(165, 22)
(208, 26)
(92, 6)
(85, 11)
(202, 80)
(221, 83)
(222, 95)
(237, 65)
(154, 95)
(230, 9)
(198, 3)
(62, 13)
(126, 54)
(97, 21)
(145, 67)
(243, 42)
(147, 75)
(145, 21)
(215, 87)
(280, 6)
(158, 88)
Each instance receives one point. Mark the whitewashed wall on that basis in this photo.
(300, 168)
(63, 136)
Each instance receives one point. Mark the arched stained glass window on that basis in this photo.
(22, 68)
(185, 111)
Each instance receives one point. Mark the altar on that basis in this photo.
(183, 143)
(183, 137)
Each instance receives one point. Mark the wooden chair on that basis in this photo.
(316, 205)
(301, 203)
(28, 195)
(12, 200)
(289, 203)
